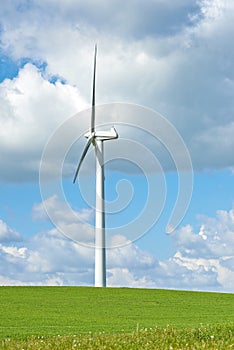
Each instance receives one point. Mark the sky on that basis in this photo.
(165, 80)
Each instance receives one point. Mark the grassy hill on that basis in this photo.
(50, 311)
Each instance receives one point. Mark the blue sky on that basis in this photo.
(174, 58)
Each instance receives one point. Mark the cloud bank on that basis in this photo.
(203, 260)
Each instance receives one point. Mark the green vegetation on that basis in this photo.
(212, 338)
(63, 317)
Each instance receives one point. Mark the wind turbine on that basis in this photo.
(96, 138)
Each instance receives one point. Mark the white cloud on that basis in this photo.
(119, 277)
(224, 273)
(7, 234)
(160, 17)
(6, 281)
(31, 109)
(128, 255)
(76, 225)
(210, 250)
(47, 259)
(14, 253)
(215, 238)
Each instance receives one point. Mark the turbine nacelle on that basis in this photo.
(102, 135)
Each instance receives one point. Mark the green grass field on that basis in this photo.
(68, 314)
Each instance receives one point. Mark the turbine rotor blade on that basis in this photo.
(90, 139)
(93, 98)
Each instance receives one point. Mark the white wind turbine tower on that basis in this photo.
(96, 138)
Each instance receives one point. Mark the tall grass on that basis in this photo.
(212, 337)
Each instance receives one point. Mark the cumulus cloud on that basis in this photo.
(210, 249)
(31, 108)
(214, 239)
